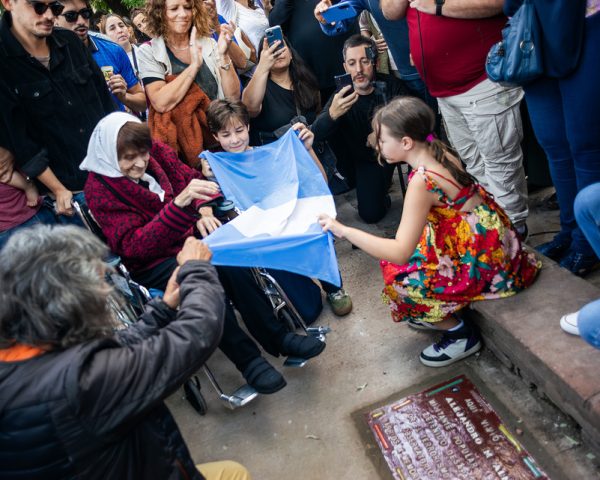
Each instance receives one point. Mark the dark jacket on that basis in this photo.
(354, 126)
(96, 411)
(62, 104)
(562, 25)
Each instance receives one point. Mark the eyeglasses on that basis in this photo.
(42, 7)
(71, 16)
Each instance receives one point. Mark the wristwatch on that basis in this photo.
(227, 66)
(438, 7)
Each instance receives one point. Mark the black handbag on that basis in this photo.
(517, 58)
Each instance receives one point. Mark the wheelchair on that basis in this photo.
(128, 299)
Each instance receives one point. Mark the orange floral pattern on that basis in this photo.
(461, 257)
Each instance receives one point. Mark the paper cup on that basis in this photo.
(107, 72)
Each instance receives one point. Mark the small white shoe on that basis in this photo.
(569, 323)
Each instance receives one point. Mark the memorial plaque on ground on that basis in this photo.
(449, 431)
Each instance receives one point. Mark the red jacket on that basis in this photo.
(140, 228)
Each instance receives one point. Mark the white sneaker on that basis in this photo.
(569, 323)
(452, 347)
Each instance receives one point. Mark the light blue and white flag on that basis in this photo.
(280, 191)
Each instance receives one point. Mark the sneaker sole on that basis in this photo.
(341, 312)
(568, 328)
(422, 328)
(442, 363)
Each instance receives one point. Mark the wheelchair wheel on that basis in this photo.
(193, 395)
(288, 319)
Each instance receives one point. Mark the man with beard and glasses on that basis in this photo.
(109, 56)
(61, 91)
(347, 115)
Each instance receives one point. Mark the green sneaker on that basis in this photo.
(340, 302)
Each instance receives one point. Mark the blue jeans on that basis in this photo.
(43, 215)
(66, 219)
(588, 322)
(564, 115)
(587, 213)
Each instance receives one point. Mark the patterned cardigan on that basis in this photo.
(140, 228)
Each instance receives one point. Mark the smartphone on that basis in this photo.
(341, 81)
(339, 11)
(273, 34)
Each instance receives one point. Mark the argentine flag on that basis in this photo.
(280, 191)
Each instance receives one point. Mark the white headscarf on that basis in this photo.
(102, 155)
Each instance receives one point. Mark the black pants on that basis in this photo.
(372, 185)
(250, 301)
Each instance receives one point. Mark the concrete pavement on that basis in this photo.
(306, 431)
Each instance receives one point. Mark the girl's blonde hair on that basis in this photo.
(411, 117)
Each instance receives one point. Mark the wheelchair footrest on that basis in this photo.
(296, 362)
(318, 332)
(242, 396)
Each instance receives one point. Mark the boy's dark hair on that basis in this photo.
(133, 136)
(412, 117)
(221, 112)
(358, 40)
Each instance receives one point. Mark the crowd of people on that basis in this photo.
(112, 114)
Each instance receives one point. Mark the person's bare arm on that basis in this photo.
(164, 96)
(253, 52)
(62, 195)
(467, 9)
(254, 93)
(394, 9)
(238, 57)
(7, 162)
(230, 82)
(399, 249)
(133, 98)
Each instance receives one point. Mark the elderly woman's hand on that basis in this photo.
(196, 190)
(208, 223)
(304, 134)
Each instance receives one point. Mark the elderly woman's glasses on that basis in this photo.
(42, 7)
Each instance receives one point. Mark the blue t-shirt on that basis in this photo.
(107, 53)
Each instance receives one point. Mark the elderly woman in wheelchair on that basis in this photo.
(147, 203)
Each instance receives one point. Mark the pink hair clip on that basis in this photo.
(430, 138)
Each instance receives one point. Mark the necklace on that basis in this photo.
(179, 49)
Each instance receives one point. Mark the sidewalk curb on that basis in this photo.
(523, 331)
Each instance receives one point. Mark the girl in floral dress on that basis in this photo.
(454, 244)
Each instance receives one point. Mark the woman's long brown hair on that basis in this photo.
(156, 18)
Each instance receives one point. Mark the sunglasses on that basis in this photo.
(71, 17)
(41, 7)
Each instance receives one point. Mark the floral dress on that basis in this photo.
(461, 257)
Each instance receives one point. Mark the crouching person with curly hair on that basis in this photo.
(79, 400)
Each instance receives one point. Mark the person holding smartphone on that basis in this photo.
(347, 116)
